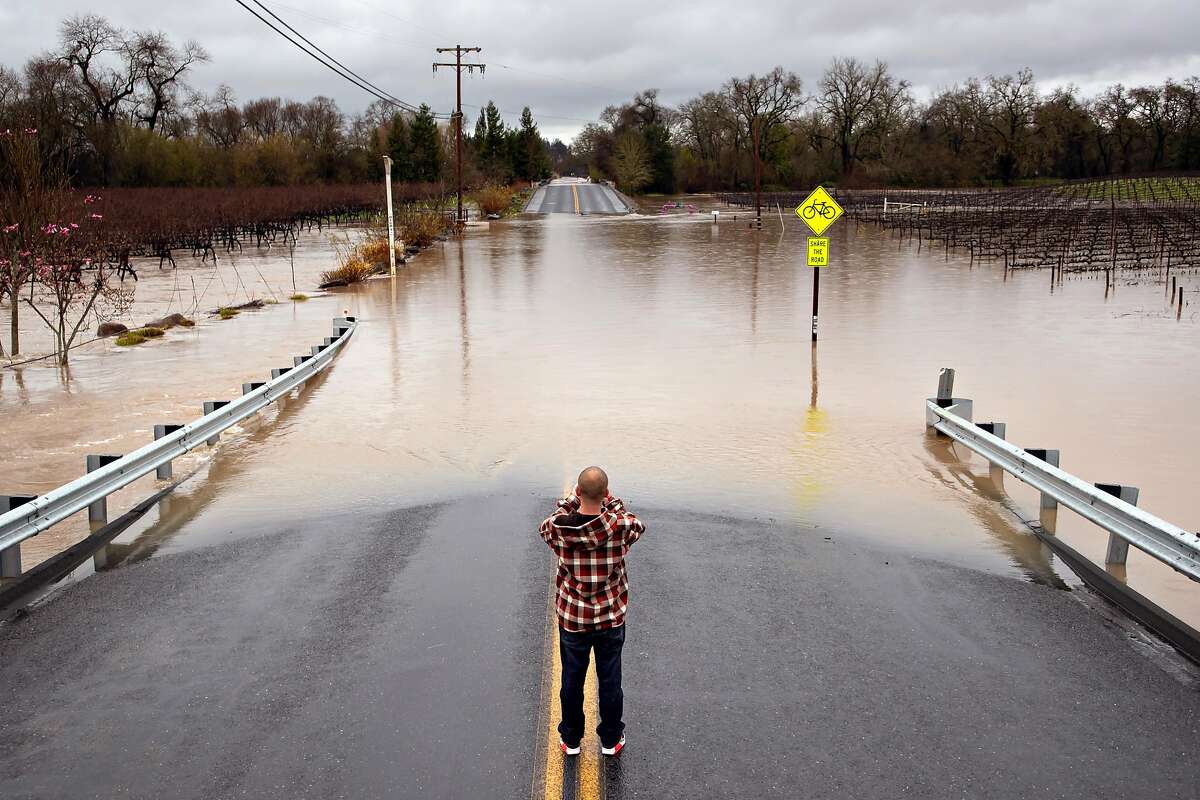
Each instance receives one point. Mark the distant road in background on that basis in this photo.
(576, 196)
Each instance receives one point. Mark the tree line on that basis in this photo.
(114, 107)
(861, 125)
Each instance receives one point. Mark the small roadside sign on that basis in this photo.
(818, 252)
(819, 210)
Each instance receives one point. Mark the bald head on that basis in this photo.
(593, 484)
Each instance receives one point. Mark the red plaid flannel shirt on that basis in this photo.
(593, 589)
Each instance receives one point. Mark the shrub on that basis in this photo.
(227, 313)
(421, 228)
(298, 297)
(493, 199)
(375, 250)
(149, 332)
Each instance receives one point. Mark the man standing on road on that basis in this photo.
(591, 532)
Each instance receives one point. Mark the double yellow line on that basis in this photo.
(587, 773)
(575, 194)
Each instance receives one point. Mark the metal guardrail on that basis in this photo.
(1126, 522)
(44, 512)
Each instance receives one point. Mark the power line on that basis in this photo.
(378, 34)
(307, 41)
(340, 69)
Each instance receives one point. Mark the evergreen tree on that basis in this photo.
(426, 147)
(495, 149)
(480, 137)
(662, 158)
(399, 148)
(529, 160)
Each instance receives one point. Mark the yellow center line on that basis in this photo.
(589, 760)
(575, 193)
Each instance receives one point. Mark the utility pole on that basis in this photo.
(459, 66)
(756, 136)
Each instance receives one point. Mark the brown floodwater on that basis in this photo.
(675, 353)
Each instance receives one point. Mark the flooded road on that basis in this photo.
(675, 353)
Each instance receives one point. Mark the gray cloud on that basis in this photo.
(567, 60)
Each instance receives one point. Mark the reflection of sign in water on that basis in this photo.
(812, 461)
(819, 210)
(818, 252)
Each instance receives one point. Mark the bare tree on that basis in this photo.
(218, 117)
(85, 40)
(764, 106)
(162, 67)
(1157, 109)
(1010, 101)
(1117, 129)
(264, 117)
(858, 103)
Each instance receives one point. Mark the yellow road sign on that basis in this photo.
(818, 252)
(819, 210)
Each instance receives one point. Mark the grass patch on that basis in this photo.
(298, 297)
(227, 313)
(130, 338)
(354, 269)
(1148, 189)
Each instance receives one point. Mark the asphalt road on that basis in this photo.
(396, 656)
(401, 655)
(558, 197)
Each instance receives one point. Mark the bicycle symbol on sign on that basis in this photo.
(824, 209)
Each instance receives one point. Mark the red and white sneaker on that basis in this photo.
(616, 749)
(567, 749)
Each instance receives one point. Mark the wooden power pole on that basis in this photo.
(459, 66)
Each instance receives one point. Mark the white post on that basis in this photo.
(387, 182)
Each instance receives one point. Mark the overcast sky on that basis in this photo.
(567, 59)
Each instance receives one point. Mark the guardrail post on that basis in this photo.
(98, 511)
(945, 390)
(164, 472)
(1051, 457)
(275, 373)
(10, 557)
(959, 406)
(247, 388)
(209, 407)
(341, 325)
(1118, 548)
(298, 360)
(997, 429)
(317, 348)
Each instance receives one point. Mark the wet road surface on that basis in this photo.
(394, 655)
(400, 654)
(770, 661)
(566, 196)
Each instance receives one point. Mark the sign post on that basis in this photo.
(387, 182)
(818, 211)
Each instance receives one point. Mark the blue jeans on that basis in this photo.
(574, 651)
